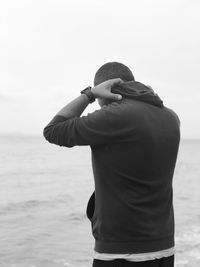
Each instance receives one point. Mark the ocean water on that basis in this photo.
(44, 191)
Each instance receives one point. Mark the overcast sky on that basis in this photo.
(50, 51)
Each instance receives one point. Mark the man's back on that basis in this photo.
(133, 179)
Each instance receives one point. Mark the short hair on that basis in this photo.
(112, 70)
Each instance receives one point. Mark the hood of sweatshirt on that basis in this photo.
(139, 92)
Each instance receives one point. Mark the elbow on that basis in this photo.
(47, 134)
(52, 137)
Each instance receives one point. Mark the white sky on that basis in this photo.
(50, 51)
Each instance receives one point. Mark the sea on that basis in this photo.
(44, 190)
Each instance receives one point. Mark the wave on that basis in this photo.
(64, 262)
(190, 236)
(33, 203)
(76, 216)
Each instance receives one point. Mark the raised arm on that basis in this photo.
(67, 128)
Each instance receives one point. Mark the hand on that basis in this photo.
(103, 90)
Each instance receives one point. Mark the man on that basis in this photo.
(134, 140)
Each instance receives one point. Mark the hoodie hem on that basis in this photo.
(103, 246)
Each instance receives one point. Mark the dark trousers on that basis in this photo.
(163, 262)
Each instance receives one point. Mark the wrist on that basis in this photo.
(93, 92)
(88, 92)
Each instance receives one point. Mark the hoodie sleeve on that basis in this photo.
(94, 129)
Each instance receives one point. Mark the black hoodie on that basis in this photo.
(134, 144)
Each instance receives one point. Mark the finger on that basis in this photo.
(116, 81)
(115, 96)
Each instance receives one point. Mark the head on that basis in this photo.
(112, 70)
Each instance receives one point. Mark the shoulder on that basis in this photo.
(173, 113)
